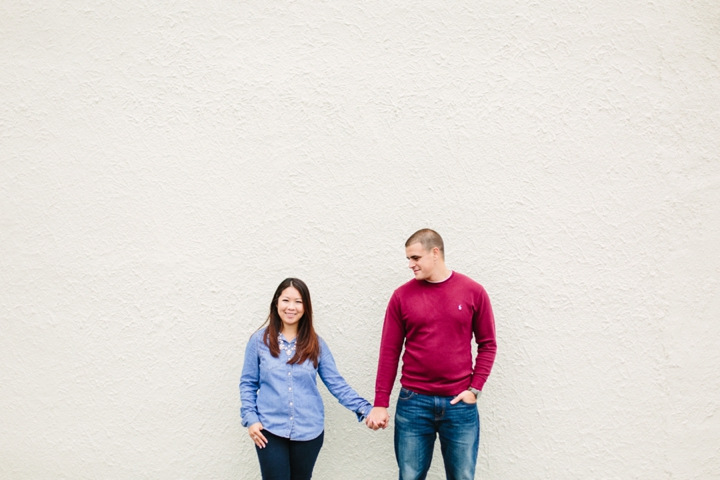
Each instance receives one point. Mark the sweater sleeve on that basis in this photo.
(391, 344)
(484, 330)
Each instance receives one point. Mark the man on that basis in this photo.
(435, 316)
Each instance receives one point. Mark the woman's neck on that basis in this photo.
(289, 332)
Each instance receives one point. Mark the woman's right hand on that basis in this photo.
(255, 431)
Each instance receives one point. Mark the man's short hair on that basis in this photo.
(429, 239)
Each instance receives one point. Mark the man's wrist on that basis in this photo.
(475, 392)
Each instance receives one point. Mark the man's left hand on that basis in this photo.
(466, 397)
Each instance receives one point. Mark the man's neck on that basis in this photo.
(440, 275)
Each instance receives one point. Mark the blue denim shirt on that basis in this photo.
(285, 398)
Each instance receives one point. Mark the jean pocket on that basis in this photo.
(406, 394)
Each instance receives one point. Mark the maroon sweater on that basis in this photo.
(437, 322)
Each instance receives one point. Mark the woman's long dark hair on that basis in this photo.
(307, 344)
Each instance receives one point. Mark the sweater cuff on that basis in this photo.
(382, 400)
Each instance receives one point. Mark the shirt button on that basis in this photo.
(290, 418)
(291, 404)
(289, 388)
(289, 373)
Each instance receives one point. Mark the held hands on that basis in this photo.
(255, 432)
(466, 396)
(377, 418)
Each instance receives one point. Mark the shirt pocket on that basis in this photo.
(269, 364)
(308, 367)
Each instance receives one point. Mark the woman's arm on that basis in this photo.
(250, 383)
(337, 385)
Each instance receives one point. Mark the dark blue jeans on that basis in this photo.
(285, 459)
(419, 419)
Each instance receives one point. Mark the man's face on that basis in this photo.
(421, 261)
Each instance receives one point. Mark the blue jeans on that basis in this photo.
(418, 419)
(285, 459)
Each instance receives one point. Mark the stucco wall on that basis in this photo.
(164, 166)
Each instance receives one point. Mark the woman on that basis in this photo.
(281, 404)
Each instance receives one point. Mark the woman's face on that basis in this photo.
(290, 306)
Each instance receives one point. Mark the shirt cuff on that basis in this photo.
(363, 412)
(249, 419)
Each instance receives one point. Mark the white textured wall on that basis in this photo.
(164, 166)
